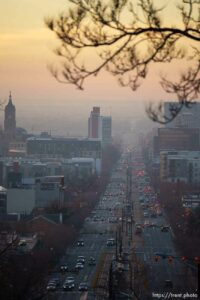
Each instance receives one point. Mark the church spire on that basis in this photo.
(10, 105)
(10, 98)
(10, 120)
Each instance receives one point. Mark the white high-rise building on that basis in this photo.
(106, 126)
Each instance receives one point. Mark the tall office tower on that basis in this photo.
(94, 122)
(10, 121)
(106, 132)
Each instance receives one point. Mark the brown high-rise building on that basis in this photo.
(94, 123)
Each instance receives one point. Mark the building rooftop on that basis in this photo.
(62, 139)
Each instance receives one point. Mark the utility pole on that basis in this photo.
(110, 285)
(116, 245)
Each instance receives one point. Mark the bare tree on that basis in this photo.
(128, 37)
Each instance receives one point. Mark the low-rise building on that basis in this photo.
(14, 171)
(180, 166)
(65, 148)
(39, 193)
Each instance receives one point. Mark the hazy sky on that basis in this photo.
(26, 48)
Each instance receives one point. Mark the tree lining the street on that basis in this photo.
(129, 36)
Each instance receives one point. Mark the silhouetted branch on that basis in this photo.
(127, 37)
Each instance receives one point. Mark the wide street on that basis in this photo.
(98, 228)
(150, 246)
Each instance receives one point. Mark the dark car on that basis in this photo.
(110, 242)
(53, 284)
(68, 286)
(83, 286)
(165, 228)
(64, 268)
(51, 287)
(80, 243)
(92, 261)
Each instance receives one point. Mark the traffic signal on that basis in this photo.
(197, 259)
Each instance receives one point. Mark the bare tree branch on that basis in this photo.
(128, 37)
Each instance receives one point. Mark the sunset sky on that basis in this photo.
(26, 49)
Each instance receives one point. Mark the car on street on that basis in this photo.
(80, 243)
(55, 281)
(110, 242)
(70, 279)
(79, 266)
(92, 261)
(51, 287)
(165, 228)
(68, 285)
(83, 286)
(64, 268)
(53, 284)
(81, 259)
(145, 214)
